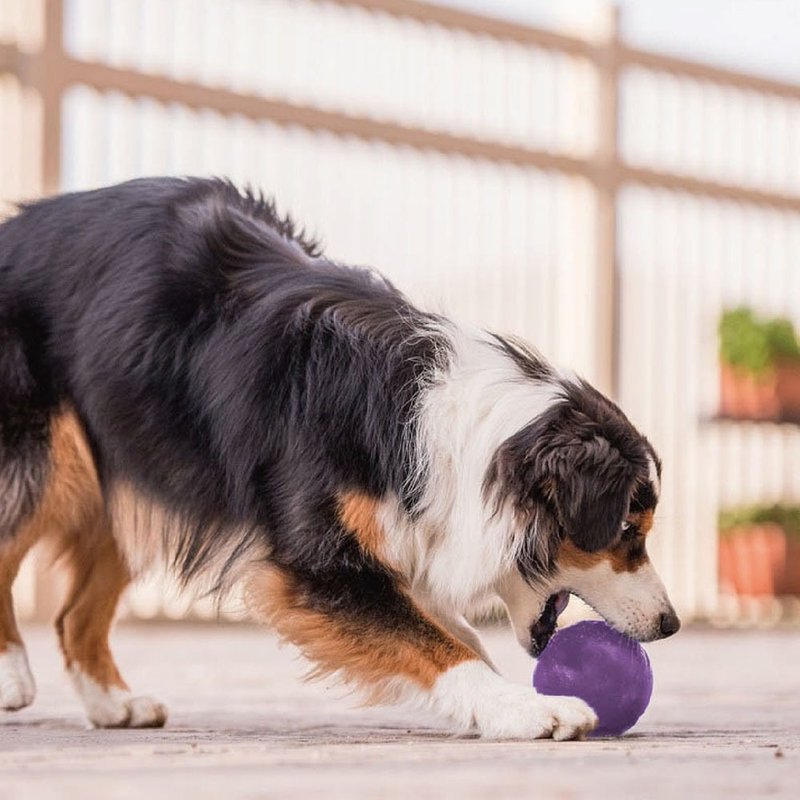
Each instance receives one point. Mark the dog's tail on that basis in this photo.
(24, 432)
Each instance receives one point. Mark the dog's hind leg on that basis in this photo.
(17, 688)
(99, 577)
(74, 514)
(24, 470)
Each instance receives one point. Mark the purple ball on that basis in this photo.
(605, 668)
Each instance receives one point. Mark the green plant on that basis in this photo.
(786, 516)
(753, 344)
(781, 338)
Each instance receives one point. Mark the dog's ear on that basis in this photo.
(592, 490)
(563, 472)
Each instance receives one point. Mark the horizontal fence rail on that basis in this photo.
(63, 71)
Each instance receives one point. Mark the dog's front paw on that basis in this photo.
(477, 697)
(573, 718)
(521, 713)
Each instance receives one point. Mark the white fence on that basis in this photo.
(484, 221)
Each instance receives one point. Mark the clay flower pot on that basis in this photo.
(787, 389)
(774, 395)
(791, 575)
(759, 561)
(747, 396)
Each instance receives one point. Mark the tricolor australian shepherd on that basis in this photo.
(183, 373)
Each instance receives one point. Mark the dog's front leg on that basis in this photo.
(364, 626)
(454, 623)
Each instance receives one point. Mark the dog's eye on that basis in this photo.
(628, 531)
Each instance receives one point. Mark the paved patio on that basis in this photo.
(724, 722)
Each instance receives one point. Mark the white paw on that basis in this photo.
(574, 719)
(476, 697)
(113, 707)
(146, 712)
(17, 688)
(518, 712)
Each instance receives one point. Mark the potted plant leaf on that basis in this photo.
(759, 367)
(759, 550)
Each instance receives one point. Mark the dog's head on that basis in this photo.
(581, 486)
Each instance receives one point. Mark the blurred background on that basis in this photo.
(618, 184)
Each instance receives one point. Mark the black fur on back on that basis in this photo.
(218, 362)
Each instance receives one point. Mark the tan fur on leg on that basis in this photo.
(73, 511)
(367, 652)
(99, 577)
(17, 688)
(71, 499)
(71, 516)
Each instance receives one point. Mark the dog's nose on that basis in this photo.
(669, 624)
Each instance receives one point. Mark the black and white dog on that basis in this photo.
(183, 374)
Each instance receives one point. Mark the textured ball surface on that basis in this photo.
(608, 670)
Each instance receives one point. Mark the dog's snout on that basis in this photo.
(669, 624)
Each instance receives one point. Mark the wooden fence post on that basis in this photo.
(606, 182)
(47, 76)
(50, 83)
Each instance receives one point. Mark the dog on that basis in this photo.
(184, 374)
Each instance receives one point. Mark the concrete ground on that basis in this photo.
(724, 722)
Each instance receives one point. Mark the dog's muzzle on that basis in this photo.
(543, 629)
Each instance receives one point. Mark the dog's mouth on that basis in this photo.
(543, 629)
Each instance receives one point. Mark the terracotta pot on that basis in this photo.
(745, 396)
(787, 389)
(752, 560)
(791, 575)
